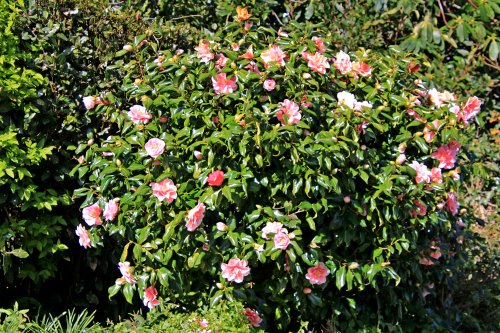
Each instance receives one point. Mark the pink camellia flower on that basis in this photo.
(454, 174)
(436, 176)
(126, 271)
(253, 317)
(435, 97)
(436, 253)
(345, 98)
(155, 147)
(318, 63)
(203, 51)
(281, 33)
(291, 111)
(223, 85)
(447, 155)
(401, 159)
(430, 130)
(361, 68)
(90, 102)
(215, 178)
(421, 209)
(423, 174)
(248, 55)
(139, 114)
(84, 236)
(110, 210)
(235, 270)
(252, 67)
(273, 56)
(221, 61)
(425, 261)
(452, 203)
(414, 114)
(447, 96)
(272, 228)
(92, 215)
(195, 216)
(317, 274)
(456, 110)
(269, 84)
(235, 47)
(320, 44)
(470, 110)
(281, 240)
(164, 190)
(413, 67)
(343, 63)
(358, 106)
(203, 322)
(150, 298)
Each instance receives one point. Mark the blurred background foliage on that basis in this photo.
(54, 52)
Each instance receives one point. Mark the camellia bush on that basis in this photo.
(307, 181)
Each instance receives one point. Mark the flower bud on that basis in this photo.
(307, 291)
(306, 76)
(156, 162)
(220, 285)
(198, 155)
(347, 199)
(401, 159)
(221, 227)
(184, 68)
(353, 265)
(128, 48)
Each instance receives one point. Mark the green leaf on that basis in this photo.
(128, 292)
(113, 290)
(125, 252)
(377, 253)
(311, 223)
(340, 277)
(216, 298)
(20, 253)
(493, 50)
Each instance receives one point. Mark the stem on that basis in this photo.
(472, 3)
(442, 13)
(183, 17)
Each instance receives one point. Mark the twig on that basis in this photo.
(442, 13)
(472, 3)
(492, 65)
(184, 17)
(277, 17)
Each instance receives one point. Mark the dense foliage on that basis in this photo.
(330, 176)
(259, 133)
